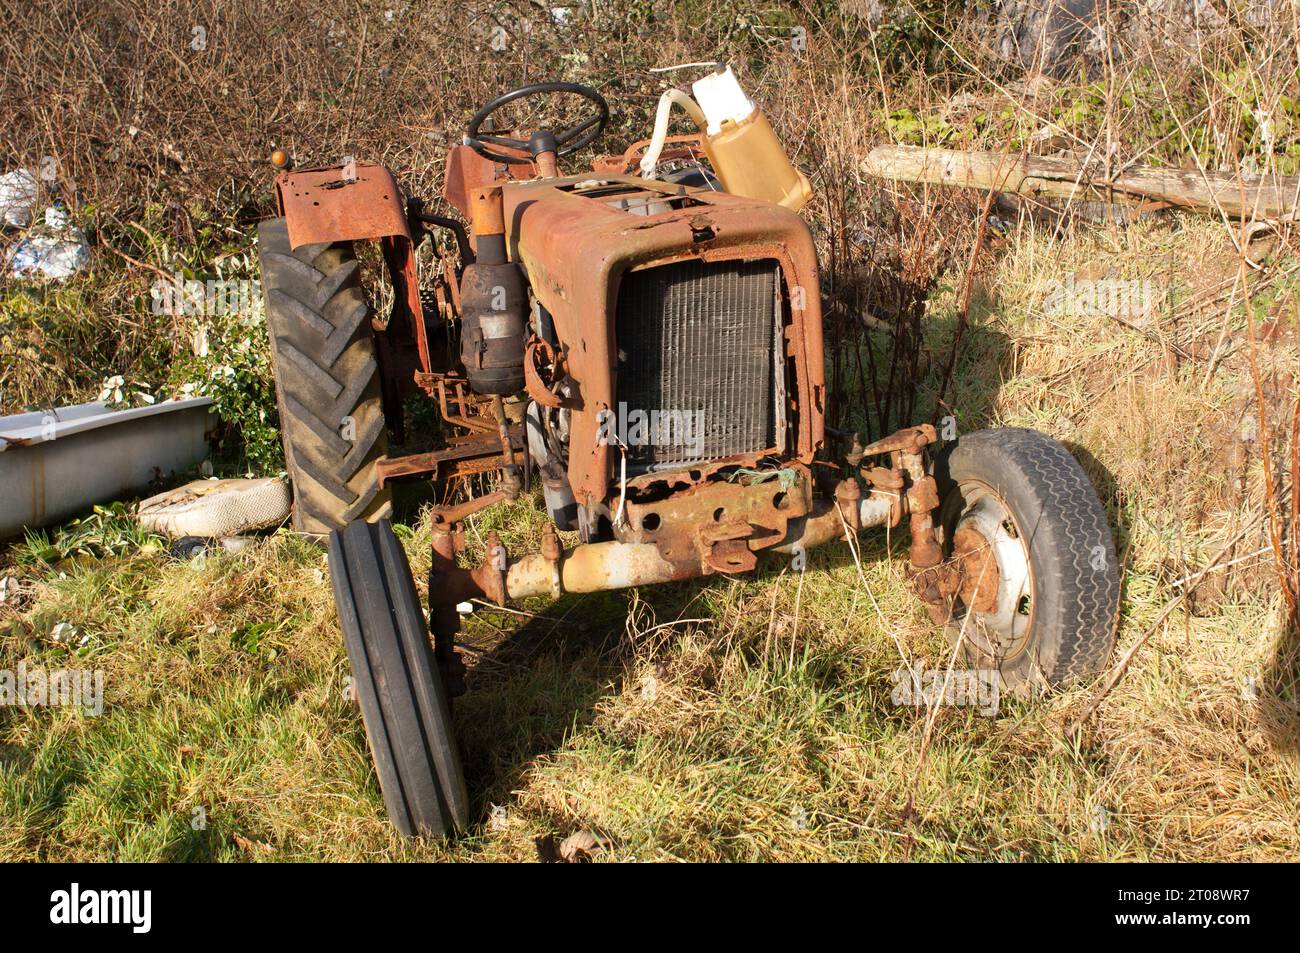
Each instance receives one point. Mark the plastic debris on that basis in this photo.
(10, 589)
(57, 251)
(17, 197)
(216, 509)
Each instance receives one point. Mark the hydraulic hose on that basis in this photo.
(666, 102)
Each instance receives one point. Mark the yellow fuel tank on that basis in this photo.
(743, 148)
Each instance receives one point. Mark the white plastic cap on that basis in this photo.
(722, 99)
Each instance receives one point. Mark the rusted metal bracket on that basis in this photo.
(459, 512)
(444, 621)
(511, 481)
(847, 495)
(708, 523)
(455, 390)
(553, 553)
(467, 455)
(357, 202)
(911, 440)
(918, 493)
(725, 547)
(539, 355)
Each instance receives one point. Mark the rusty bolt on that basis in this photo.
(847, 495)
(551, 548)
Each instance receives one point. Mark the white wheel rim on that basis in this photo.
(1008, 625)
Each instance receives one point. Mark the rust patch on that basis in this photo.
(324, 205)
(713, 521)
(320, 205)
(977, 567)
(467, 171)
(477, 453)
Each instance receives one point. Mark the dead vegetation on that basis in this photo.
(735, 719)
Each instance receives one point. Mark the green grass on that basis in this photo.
(748, 747)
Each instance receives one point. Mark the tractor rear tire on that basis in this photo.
(397, 681)
(326, 381)
(1058, 595)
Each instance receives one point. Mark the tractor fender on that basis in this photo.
(351, 203)
(358, 202)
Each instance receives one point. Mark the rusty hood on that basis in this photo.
(577, 236)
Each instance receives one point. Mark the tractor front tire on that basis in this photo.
(326, 381)
(1058, 594)
(397, 681)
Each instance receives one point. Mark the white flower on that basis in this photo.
(62, 631)
(112, 389)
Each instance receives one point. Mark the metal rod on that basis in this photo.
(597, 567)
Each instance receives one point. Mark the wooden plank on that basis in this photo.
(1245, 196)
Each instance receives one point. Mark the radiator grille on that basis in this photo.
(700, 337)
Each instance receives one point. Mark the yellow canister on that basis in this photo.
(743, 148)
(750, 161)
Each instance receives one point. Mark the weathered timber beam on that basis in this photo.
(1244, 196)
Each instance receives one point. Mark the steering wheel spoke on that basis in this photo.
(504, 141)
(574, 132)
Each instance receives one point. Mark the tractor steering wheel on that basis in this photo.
(562, 143)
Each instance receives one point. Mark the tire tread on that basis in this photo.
(1071, 546)
(398, 684)
(323, 359)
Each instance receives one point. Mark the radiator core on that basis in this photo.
(700, 344)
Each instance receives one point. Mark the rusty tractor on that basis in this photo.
(645, 337)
